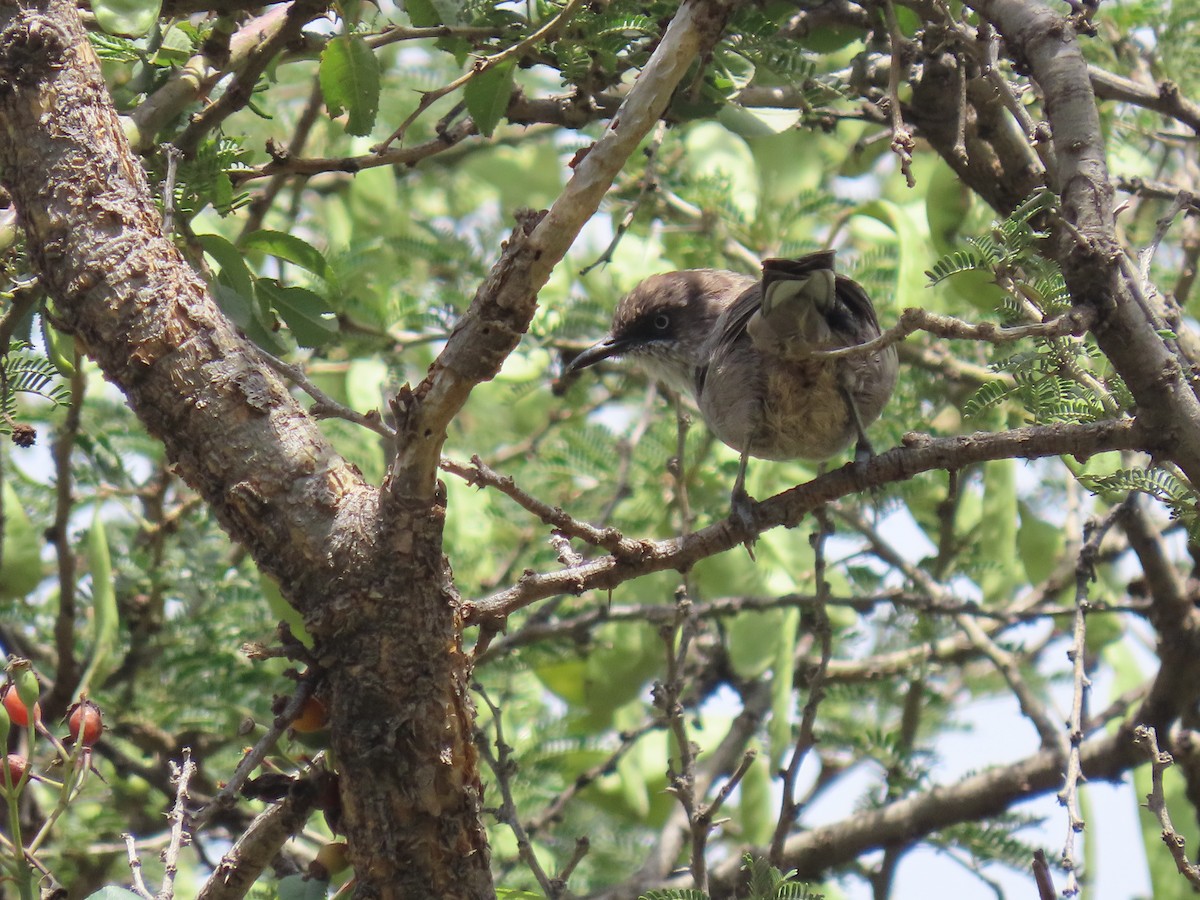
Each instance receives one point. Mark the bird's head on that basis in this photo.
(662, 323)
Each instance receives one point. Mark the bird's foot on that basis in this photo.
(742, 511)
(863, 454)
(863, 451)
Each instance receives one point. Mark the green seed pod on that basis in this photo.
(20, 671)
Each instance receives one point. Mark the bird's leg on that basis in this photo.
(863, 451)
(741, 504)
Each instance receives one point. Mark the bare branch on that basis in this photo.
(135, 869)
(920, 454)
(1085, 571)
(914, 319)
(1156, 802)
(178, 818)
(479, 474)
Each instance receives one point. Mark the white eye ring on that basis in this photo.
(662, 321)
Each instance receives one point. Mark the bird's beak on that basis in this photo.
(604, 349)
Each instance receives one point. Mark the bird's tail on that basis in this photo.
(799, 309)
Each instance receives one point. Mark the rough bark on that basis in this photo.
(366, 571)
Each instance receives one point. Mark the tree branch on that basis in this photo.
(1086, 245)
(920, 454)
(504, 304)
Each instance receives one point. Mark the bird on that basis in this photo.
(748, 352)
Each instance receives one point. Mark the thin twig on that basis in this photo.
(790, 807)
(181, 774)
(326, 407)
(914, 319)
(705, 819)
(67, 674)
(903, 143)
(23, 298)
(582, 846)
(920, 453)
(135, 868)
(678, 468)
(241, 88)
(481, 475)
(677, 639)
(1042, 876)
(649, 184)
(304, 124)
(172, 155)
(618, 488)
(503, 766)
(1085, 574)
(1181, 202)
(226, 797)
(556, 806)
(482, 65)
(1160, 761)
(1030, 703)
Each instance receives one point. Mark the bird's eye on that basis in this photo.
(662, 321)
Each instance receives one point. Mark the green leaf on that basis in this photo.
(998, 532)
(422, 14)
(60, 348)
(239, 307)
(448, 11)
(105, 618)
(753, 641)
(288, 247)
(129, 18)
(301, 887)
(782, 675)
(283, 610)
(21, 568)
(1040, 544)
(757, 807)
(487, 96)
(234, 270)
(349, 76)
(306, 312)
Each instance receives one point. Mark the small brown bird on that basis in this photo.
(748, 351)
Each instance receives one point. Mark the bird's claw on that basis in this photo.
(863, 451)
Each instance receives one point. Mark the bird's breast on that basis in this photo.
(791, 409)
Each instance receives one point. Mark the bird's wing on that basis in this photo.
(730, 328)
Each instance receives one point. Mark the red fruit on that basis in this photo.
(313, 717)
(16, 766)
(17, 711)
(85, 723)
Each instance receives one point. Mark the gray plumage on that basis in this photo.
(744, 349)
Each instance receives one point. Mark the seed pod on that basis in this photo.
(20, 673)
(15, 767)
(86, 723)
(313, 717)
